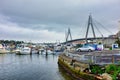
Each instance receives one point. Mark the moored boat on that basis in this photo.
(49, 52)
(25, 50)
(3, 49)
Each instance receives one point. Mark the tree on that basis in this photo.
(79, 45)
(118, 42)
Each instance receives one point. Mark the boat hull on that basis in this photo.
(24, 51)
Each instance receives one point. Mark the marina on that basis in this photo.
(35, 66)
(59, 40)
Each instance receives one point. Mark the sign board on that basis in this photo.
(114, 46)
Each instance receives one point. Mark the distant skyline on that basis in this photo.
(48, 20)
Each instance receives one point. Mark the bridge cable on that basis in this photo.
(98, 29)
(103, 27)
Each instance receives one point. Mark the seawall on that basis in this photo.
(76, 69)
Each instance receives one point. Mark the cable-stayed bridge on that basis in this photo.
(94, 26)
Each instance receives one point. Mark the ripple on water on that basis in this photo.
(26, 67)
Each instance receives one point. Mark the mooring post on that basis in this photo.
(31, 51)
(112, 59)
(46, 51)
(38, 51)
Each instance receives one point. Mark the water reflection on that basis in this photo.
(46, 57)
(65, 75)
(30, 67)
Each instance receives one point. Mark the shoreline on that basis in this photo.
(74, 70)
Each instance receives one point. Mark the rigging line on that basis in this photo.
(103, 26)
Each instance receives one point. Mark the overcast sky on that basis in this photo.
(48, 20)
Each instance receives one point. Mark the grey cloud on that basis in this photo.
(58, 15)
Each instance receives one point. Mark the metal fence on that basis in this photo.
(97, 59)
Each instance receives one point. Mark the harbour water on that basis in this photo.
(30, 67)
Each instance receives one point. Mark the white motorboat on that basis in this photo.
(46, 52)
(25, 50)
(34, 51)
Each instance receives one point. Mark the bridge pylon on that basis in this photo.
(68, 35)
(90, 23)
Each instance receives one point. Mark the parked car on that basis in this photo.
(85, 48)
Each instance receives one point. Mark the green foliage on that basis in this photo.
(10, 42)
(118, 42)
(99, 43)
(113, 70)
(79, 45)
(96, 69)
(110, 68)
